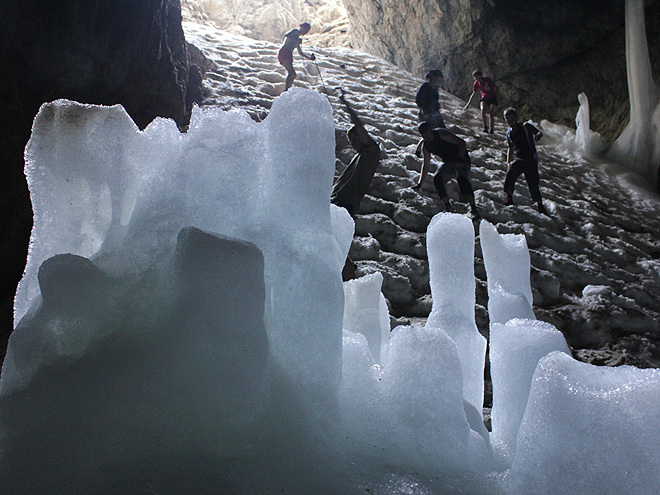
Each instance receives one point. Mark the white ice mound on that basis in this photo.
(365, 312)
(412, 407)
(101, 189)
(515, 350)
(506, 258)
(109, 372)
(181, 316)
(589, 430)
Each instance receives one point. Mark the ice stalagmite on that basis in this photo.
(365, 311)
(450, 244)
(507, 264)
(638, 147)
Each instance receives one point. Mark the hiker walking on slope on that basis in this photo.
(353, 183)
(427, 100)
(522, 157)
(292, 41)
(489, 99)
(456, 164)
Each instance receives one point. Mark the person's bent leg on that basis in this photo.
(515, 169)
(533, 181)
(439, 183)
(465, 186)
(291, 73)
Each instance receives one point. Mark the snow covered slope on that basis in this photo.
(595, 257)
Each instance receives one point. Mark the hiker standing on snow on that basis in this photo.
(489, 97)
(353, 183)
(427, 100)
(456, 164)
(292, 41)
(522, 157)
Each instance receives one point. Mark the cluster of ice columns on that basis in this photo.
(180, 331)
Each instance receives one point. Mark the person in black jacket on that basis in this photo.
(455, 164)
(353, 183)
(522, 157)
(427, 100)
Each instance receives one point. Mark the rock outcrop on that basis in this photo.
(92, 51)
(541, 54)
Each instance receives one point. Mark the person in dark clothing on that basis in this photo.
(456, 164)
(429, 106)
(522, 157)
(427, 100)
(353, 183)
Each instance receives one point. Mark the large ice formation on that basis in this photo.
(179, 330)
(637, 149)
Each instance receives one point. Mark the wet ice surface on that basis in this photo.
(601, 230)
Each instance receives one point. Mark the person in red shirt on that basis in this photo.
(489, 97)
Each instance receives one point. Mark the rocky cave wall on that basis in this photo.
(541, 54)
(93, 51)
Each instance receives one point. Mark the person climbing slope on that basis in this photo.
(292, 41)
(427, 100)
(522, 158)
(456, 164)
(353, 183)
(429, 107)
(489, 99)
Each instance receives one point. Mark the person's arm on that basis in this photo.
(362, 133)
(470, 100)
(537, 135)
(426, 166)
(508, 150)
(310, 57)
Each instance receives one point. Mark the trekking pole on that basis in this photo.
(318, 69)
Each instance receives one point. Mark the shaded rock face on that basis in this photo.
(93, 51)
(541, 54)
